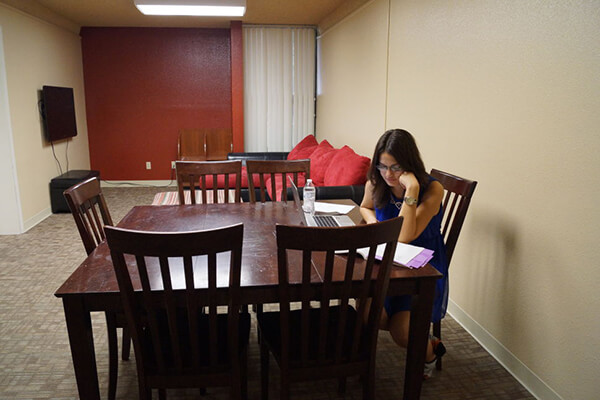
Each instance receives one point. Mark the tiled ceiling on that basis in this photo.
(112, 13)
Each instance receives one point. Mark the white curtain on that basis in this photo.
(279, 86)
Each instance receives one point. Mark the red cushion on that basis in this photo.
(347, 168)
(319, 161)
(279, 184)
(220, 181)
(303, 149)
(245, 179)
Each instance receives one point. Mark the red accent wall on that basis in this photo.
(142, 85)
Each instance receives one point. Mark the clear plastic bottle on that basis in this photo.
(309, 197)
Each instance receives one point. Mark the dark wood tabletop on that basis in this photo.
(93, 285)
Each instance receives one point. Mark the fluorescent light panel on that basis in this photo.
(212, 8)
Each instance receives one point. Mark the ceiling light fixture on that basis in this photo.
(212, 8)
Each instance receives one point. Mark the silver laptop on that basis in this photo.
(319, 220)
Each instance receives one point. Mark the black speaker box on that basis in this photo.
(59, 184)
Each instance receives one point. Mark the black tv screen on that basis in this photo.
(58, 112)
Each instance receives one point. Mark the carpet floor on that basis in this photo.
(35, 360)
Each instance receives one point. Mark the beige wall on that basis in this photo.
(358, 115)
(37, 53)
(506, 93)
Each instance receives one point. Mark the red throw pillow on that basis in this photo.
(347, 168)
(303, 149)
(319, 161)
(279, 184)
(244, 184)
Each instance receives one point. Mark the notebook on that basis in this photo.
(320, 220)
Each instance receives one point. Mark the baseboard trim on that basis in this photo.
(509, 361)
(36, 219)
(165, 184)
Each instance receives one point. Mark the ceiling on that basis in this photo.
(111, 13)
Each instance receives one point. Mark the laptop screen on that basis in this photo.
(297, 202)
(295, 193)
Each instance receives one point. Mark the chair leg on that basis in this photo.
(162, 394)
(258, 309)
(341, 386)
(284, 393)
(264, 370)
(113, 354)
(244, 374)
(144, 391)
(237, 377)
(126, 347)
(437, 332)
(369, 384)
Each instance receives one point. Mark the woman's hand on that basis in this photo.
(408, 180)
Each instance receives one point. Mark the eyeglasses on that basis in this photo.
(394, 168)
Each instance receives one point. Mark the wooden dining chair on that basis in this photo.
(457, 197)
(269, 173)
(171, 294)
(272, 172)
(331, 341)
(89, 210)
(91, 215)
(191, 145)
(197, 173)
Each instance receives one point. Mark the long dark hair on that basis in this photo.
(401, 145)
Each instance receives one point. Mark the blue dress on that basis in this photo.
(430, 238)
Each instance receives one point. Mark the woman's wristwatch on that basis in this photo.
(410, 201)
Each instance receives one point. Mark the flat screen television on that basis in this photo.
(58, 113)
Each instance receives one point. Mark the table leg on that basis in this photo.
(81, 340)
(420, 318)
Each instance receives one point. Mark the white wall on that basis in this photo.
(38, 53)
(506, 93)
(10, 205)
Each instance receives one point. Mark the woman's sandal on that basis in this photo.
(438, 350)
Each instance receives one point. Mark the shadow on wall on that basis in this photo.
(520, 287)
(502, 267)
(494, 254)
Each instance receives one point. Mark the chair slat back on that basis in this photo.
(194, 173)
(338, 337)
(274, 171)
(457, 197)
(179, 263)
(89, 210)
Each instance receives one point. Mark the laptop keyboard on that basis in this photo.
(325, 221)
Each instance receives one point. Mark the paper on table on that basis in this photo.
(406, 254)
(332, 208)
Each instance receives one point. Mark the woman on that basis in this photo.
(398, 185)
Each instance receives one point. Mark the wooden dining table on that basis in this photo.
(93, 287)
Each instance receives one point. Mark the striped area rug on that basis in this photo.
(172, 198)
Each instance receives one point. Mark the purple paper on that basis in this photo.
(421, 259)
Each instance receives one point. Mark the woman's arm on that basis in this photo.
(367, 209)
(416, 218)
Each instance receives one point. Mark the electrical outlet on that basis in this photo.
(172, 164)
(148, 165)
